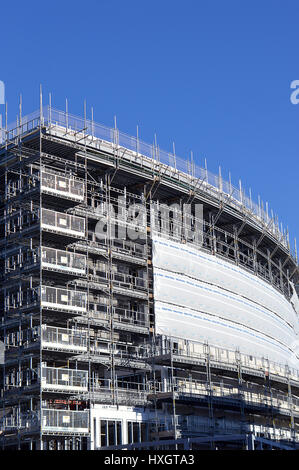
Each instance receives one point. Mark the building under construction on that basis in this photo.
(146, 303)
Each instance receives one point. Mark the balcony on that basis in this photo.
(126, 393)
(63, 299)
(65, 421)
(122, 317)
(61, 186)
(22, 422)
(64, 380)
(63, 261)
(124, 250)
(190, 426)
(53, 421)
(250, 395)
(63, 339)
(193, 351)
(62, 223)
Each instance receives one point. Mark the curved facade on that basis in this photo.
(144, 301)
(208, 299)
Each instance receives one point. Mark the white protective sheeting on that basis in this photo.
(294, 299)
(201, 297)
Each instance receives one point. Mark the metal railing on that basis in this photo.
(120, 315)
(201, 351)
(63, 260)
(248, 393)
(120, 350)
(119, 279)
(187, 425)
(64, 223)
(146, 155)
(123, 392)
(65, 421)
(53, 420)
(55, 297)
(121, 247)
(63, 338)
(60, 185)
(64, 379)
(21, 421)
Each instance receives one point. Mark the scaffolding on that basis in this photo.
(78, 297)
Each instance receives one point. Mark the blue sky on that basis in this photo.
(213, 76)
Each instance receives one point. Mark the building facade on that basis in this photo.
(145, 302)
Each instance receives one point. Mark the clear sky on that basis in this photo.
(214, 76)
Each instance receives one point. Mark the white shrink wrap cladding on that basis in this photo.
(201, 297)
